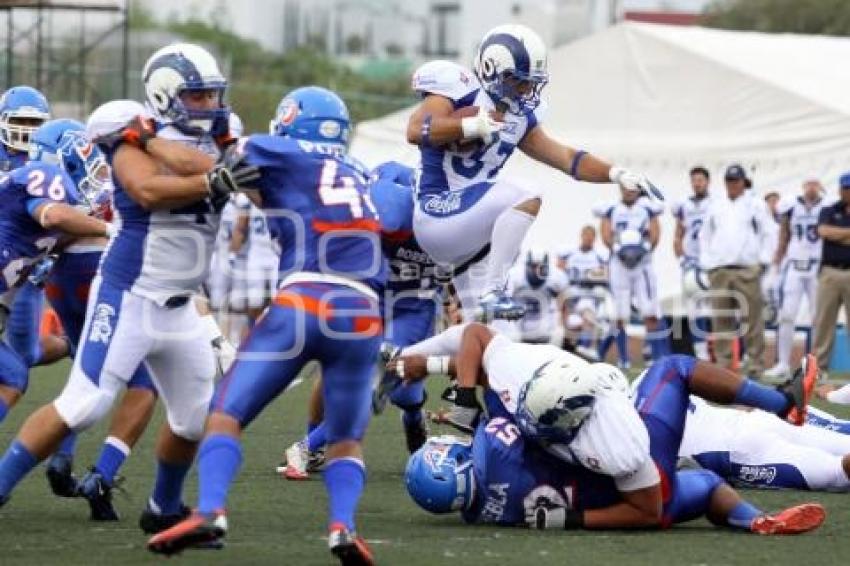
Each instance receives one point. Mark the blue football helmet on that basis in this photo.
(512, 65)
(439, 476)
(312, 113)
(22, 110)
(183, 68)
(46, 139)
(87, 167)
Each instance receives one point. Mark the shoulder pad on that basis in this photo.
(785, 205)
(602, 209)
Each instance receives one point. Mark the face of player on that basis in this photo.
(588, 238)
(629, 197)
(735, 187)
(772, 201)
(699, 184)
(812, 190)
(208, 99)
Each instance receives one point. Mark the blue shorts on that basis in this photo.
(662, 400)
(334, 324)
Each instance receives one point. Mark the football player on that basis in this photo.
(582, 414)
(467, 126)
(149, 275)
(689, 215)
(326, 310)
(797, 257)
(587, 271)
(631, 230)
(539, 289)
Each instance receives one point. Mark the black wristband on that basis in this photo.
(466, 397)
(573, 519)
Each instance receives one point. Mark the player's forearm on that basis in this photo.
(621, 516)
(178, 158)
(469, 362)
(58, 216)
(834, 233)
(679, 240)
(440, 130)
(168, 191)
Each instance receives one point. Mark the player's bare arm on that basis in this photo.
(834, 233)
(180, 159)
(606, 232)
(639, 509)
(139, 174)
(679, 238)
(539, 146)
(66, 218)
(433, 120)
(784, 239)
(654, 232)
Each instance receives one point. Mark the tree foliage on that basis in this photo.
(827, 17)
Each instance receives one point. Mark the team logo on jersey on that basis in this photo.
(757, 474)
(288, 112)
(101, 325)
(443, 203)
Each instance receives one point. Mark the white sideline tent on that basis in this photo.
(660, 99)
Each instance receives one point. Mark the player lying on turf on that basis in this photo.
(558, 402)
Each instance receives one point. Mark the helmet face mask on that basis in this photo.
(511, 64)
(87, 167)
(23, 110)
(173, 76)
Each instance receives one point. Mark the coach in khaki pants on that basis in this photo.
(735, 244)
(834, 276)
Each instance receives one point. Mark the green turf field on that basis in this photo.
(277, 522)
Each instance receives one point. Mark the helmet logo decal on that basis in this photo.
(288, 112)
(329, 129)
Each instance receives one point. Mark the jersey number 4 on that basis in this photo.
(342, 190)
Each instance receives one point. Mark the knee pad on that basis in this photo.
(82, 403)
(189, 423)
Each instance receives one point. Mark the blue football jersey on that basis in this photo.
(318, 209)
(22, 239)
(10, 160)
(513, 477)
(414, 276)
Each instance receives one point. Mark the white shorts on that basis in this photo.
(636, 285)
(454, 237)
(794, 283)
(253, 286)
(219, 281)
(123, 330)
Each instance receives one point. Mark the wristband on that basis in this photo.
(425, 132)
(576, 160)
(573, 519)
(469, 126)
(110, 230)
(437, 365)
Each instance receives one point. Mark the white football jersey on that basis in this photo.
(262, 251)
(612, 441)
(158, 254)
(629, 219)
(805, 243)
(542, 315)
(584, 266)
(691, 213)
(443, 169)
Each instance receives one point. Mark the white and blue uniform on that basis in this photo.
(757, 449)
(799, 270)
(637, 284)
(220, 281)
(542, 321)
(691, 213)
(140, 312)
(256, 272)
(459, 194)
(586, 271)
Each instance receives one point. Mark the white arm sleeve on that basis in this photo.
(839, 396)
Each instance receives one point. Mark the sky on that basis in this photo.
(685, 5)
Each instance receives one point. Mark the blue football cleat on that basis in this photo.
(98, 493)
(388, 381)
(497, 305)
(152, 522)
(60, 477)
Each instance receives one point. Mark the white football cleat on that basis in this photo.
(779, 371)
(297, 460)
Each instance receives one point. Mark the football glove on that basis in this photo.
(635, 182)
(481, 126)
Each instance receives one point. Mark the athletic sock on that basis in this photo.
(112, 456)
(69, 445)
(762, 397)
(317, 438)
(219, 460)
(344, 480)
(509, 231)
(784, 343)
(621, 339)
(167, 494)
(742, 515)
(14, 466)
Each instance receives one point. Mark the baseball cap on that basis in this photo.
(735, 173)
(844, 181)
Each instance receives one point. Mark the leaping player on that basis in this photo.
(467, 126)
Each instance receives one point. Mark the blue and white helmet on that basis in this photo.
(512, 65)
(554, 403)
(22, 110)
(175, 70)
(439, 476)
(312, 113)
(87, 167)
(45, 141)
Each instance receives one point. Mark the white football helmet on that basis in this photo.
(554, 403)
(111, 117)
(180, 68)
(512, 65)
(609, 378)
